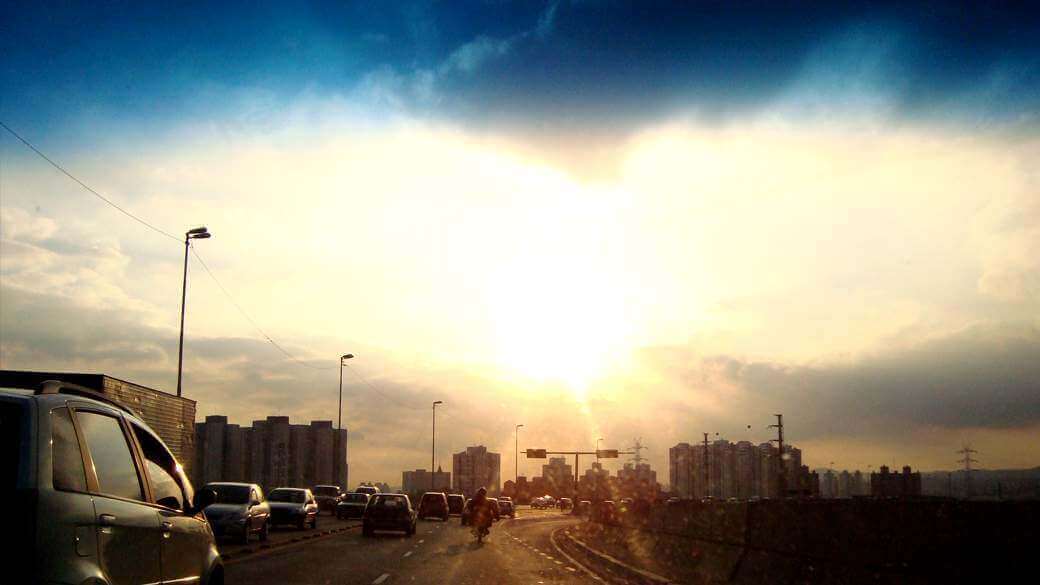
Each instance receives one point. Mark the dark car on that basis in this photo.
(327, 496)
(582, 508)
(294, 506)
(95, 496)
(605, 512)
(565, 504)
(467, 513)
(433, 504)
(352, 505)
(456, 503)
(388, 512)
(238, 511)
(506, 508)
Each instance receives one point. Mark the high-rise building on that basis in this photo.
(272, 453)
(420, 481)
(681, 470)
(559, 477)
(745, 458)
(638, 473)
(474, 468)
(845, 484)
(895, 485)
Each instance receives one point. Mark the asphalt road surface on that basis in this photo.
(517, 551)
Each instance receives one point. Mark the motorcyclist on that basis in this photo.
(481, 514)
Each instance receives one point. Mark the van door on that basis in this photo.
(65, 509)
(128, 530)
(187, 545)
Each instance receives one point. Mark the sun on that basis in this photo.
(557, 321)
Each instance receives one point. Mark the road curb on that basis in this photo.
(614, 561)
(231, 558)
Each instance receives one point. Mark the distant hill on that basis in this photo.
(1012, 484)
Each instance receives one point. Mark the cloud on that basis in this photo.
(472, 55)
(984, 376)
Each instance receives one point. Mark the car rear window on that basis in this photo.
(66, 458)
(292, 496)
(357, 498)
(389, 502)
(230, 494)
(326, 491)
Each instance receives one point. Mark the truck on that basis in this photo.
(171, 417)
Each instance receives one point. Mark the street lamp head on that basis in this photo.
(201, 236)
(346, 356)
(438, 402)
(197, 231)
(518, 426)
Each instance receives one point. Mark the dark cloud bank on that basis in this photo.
(986, 376)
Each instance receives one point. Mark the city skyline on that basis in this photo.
(828, 213)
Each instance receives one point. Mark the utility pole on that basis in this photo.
(637, 448)
(707, 464)
(516, 457)
(967, 460)
(433, 445)
(782, 472)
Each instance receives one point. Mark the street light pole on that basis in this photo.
(516, 457)
(433, 443)
(199, 233)
(342, 358)
(339, 423)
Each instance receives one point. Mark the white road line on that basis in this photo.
(381, 578)
(559, 562)
(421, 541)
(407, 554)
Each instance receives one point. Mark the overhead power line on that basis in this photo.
(87, 187)
(250, 319)
(163, 232)
(380, 392)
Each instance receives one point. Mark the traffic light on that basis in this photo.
(540, 454)
(607, 454)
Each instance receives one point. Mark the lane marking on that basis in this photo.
(407, 554)
(381, 578)
(422, 541)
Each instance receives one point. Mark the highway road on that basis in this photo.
(517, 551)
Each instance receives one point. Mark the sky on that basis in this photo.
(597, 219)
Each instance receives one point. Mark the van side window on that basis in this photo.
(113, 461)
(162, 471)
(66, 459)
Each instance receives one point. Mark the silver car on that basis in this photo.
(238, 511)
(98, 496)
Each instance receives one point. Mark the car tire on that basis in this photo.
(314, 522)
(264, 531)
